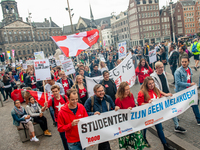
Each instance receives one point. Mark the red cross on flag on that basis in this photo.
(73, 45)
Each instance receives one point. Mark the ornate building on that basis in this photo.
(25, 37)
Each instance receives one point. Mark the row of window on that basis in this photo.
(190, 31)
(148, 8)
(24, 52)
(150, 28)
(189, 20)
(189, 8)
(120, 24)
(165, 19)
(189, 14)
(190, 25)
(151, 34)
(180, 30)
(121, 30)
(165, 26)
(147, 15)
(149, 21)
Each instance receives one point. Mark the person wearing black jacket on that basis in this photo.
(173, 59)
(96, 61)
(7, 86)
(31, 81)
(95, 71)
(110, 63)
(39, 85)
(109, 85)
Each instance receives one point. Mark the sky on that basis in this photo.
(55, 9)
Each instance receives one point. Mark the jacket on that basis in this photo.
(64, 122)
(174, 58)
(184, 54)
(99, 105)
(110, 65)
(16, 117)
(198, 48)
(17, 95)
(157, 80)
(181, 79)
(141, 74)
(76, 87)
(95, 73)
(39, 85)
(70, 82)
(28, 81)
(21, 77)
(114, 85)
(30, 110)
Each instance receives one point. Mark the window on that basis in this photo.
(147, 8)
(19, 52)
(141, 8)
(150, 7)
(179, 17)
(157, 13)
(178, 10)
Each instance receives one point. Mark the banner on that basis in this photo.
(152, 56)
(101, 57)
(125, 71)
(39, 55)
(52, 62)
(13, 53)
(68, 67)
(42, 70)
(8, 54)
(61, 57)
(115, 124)
(122, 50)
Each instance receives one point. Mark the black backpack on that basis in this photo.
(53, 101)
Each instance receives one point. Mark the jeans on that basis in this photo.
(173, 69)
(175, 119)
(159, 131)
(75, 146)
(195, 109)
(42, 121)
(8, 92)
(52, 113)
(64, 140)
(104, 146)
(35, 89)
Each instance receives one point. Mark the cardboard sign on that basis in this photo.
(68, 67)
(39, 55)
(122, 50)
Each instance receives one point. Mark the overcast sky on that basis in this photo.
(55, 9)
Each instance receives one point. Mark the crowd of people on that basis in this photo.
(70, 100)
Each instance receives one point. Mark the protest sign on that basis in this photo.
(58, 63)
(13, 64)
(68, 66)
(122, 50)
(39, 55)
(101, 57)
(152, 56)
(42, 70)
(52, 62)
(24, 66)
(20, 61)
(125, 71)
(61, 57)
(115, 124)
(30, 62)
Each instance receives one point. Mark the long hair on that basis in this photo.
(144, 88)
(145, 66)
(76, 82)
(5, 78)
(101, 64)
(121, 90)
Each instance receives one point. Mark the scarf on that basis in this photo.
(19, 111)
(35, 107)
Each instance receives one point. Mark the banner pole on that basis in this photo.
(44, 92)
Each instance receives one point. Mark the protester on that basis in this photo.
(1, 87)
(66, 82)
(56, 74)
(143, 70)
(147, 94)
(35, 112)
(40, 86)
(110, 63)
(91, 66)
(182, 53)
(31, 81)
(173, 59)
(21, 75)
(81, 89)
(195, 49)
(56, 102)
(68, 119)
(183, 77)
(125, 100)
(109, 85)
(103, 66)
(16, 94)
(7, 86)
(163, 57)
(87, 70)
(97, 104)
(140, 53)
(161, 82)
(21, 120)
(95, 72)
(118, 62)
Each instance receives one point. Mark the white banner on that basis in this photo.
(101, 57)
(122, 50)
(114, 124)
(39, 55)
(152, 56)
(42, 70)
(125, 71)
(68, 66)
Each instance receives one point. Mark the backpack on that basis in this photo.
(92, 104)
(194, 48)
(53, 101)
(189, 53)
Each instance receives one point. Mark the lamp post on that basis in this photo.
(70, 16)
(172, 21)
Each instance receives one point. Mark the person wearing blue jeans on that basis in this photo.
(183, 77)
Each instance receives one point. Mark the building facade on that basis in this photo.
(107, 37)
(25, 37)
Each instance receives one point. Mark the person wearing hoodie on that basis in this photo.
(16, 94)
(21, 76)
(143, 70)
(68, 119)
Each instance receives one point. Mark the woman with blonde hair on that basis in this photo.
(103, 66)
(147, 94)
(81, 89)
(125, 100)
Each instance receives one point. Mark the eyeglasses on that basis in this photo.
(100, 91)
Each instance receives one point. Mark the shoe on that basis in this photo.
(47, 133)
(168, 147)
(34, 139)
(147, 143)
(173, 83)
(180, 129)
(195, 68)
(55, 125)
(198, 123)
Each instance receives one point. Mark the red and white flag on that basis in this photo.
(73, 45)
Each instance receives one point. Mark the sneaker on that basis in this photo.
(180, 129)
(34, 139)
(147, 143)
(173, 83)
(198, 123)
(195, 68)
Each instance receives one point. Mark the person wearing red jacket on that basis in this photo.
(148, 94)
(143, 70)
(21, 76)
(68, 119)
(16, 94)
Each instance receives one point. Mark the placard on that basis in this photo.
(101, 57)
(122, 50)
(68, 67)
(152, 56)
(39, 55)
(52, 62)
(24, 66)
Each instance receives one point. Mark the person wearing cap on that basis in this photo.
(196, 54)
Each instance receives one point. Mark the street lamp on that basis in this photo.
(172, 20)
(70, 16)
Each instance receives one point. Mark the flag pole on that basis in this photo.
(44, 92)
